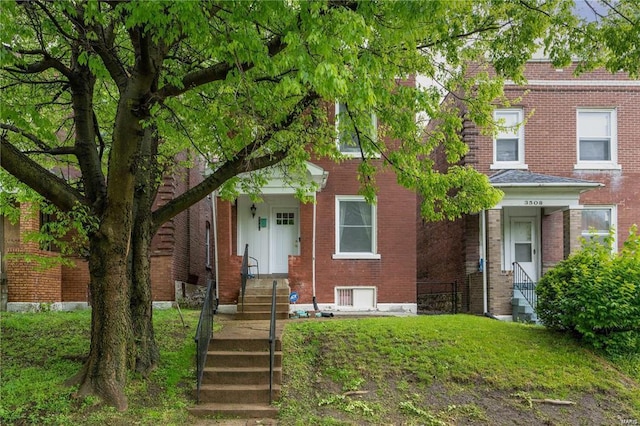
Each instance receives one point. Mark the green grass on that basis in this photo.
(40, 351)
(396, 363)
(437, 370)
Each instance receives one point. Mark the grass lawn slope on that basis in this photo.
(441, 370)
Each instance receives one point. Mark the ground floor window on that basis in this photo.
(597, 221)
(355, 227)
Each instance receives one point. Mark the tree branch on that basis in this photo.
(213, 73)
(45, 183)
(33, 138)
(240, 163)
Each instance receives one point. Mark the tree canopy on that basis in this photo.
(99, 96)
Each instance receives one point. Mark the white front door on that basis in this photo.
(284, 238)
(523, 245)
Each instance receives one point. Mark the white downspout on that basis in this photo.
(313, 254)
(483, 244)
(215, 239)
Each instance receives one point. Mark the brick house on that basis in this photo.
(182, 254)
(571, 167)
(339, 252)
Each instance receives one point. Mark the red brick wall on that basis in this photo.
(300, 267)
(228, 262)
(179, 244)
(76, 281)
(551, 132)
(395, 273)
(552, 240)
(26, 282)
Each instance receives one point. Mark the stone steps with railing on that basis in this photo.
(522, 309)
(238, 380)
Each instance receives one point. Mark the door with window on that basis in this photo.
(284, 238)
(523, 245)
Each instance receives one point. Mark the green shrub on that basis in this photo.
(596, 294)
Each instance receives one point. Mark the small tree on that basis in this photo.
(596, 294)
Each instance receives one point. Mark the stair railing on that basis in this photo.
(272, 340)
(244, 273)
(523, 282)
(203, 335)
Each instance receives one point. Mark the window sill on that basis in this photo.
(597, 166)
(357, 155)
(509, 166)
(356, 256)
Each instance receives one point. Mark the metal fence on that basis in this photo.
(439, 297)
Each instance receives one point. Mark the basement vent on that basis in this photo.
(356, 297)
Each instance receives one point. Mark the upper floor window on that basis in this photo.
(508, 145)
(597, 221)
(597, 139)
(356, 228)
(348, 141)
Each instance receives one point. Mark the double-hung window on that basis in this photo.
(508, 145)
(597, 221)
(348, 139)
(355, 228)
(597, 139)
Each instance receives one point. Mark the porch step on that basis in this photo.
(256, 304)
(265, 315)
(245, 411)
(233, 394)
(232, 343)
(239, 359)
(263, 307)
(240, 375)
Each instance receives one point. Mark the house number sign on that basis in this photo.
(532, 202)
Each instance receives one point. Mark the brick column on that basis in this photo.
(499, 281)
(572, 230)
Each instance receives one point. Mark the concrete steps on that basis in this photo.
(236, 375)
(256, 304)
(522, 310)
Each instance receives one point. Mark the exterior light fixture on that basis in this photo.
(253, 210)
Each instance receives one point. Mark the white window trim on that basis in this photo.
(520, 164)
(599, 165)
(374, 231)
(356, 287)
(357, 154)
(614, 221)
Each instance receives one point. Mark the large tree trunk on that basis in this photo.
(105, 371)
(147, 182)
(146, 348)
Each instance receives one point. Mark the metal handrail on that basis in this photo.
(244, 272)
(272, 340)
(523, 282)
(203, 335)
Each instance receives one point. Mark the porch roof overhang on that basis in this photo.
(527, 189)
(278, 184)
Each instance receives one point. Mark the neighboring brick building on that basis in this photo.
(571, 167)
(181, 253)
(348, 254)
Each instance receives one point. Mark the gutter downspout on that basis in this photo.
(313, 255)
(483, 236)
(214, 213)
